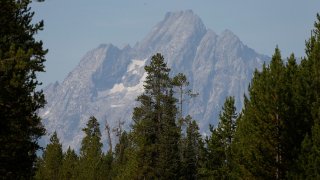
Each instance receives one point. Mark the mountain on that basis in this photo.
(108, 79)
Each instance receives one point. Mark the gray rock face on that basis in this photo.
(108, 79)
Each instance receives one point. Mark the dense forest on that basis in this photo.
(275, 136)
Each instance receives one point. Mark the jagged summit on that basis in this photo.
(176, 29)
(181, 19)
(108, 79)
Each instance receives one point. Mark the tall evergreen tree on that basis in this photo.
(264, 122)
(226, 131)
(283, 108)
(309, 158)
(295, 126)
(311, 65)
(214, 155)
(120, 157)
(155, 133)
(191, 151)
(227, 126)
(51, 160)
(244, 130)
(90, 151)
(219, 151)
(169, 156)
(126, 158)
(181, 82)
(21, 57)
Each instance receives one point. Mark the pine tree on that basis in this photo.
(226, 130)
(69, 165)
(181, 82)
(312, 63)
(120, 157)
(227, 126)
(220, 163)
(144, 138)
(295, 126)
(263, 125)
(239, 147)
(191, 151)
(309, 161)
(275, 121)
(169, 156)
(154, 124)
(51, 160)
(214, 154)
(126, 158)
(282, 109)
(21, 58)
(90, 151)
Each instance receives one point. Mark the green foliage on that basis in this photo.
(155, 133)
(39, 174)
(21, 57)
(309, 161)
(50, 165)
(265, 114)
(282, 109)
(90, 151)
(219, 152)
(169, 155)
(105, 167)
(215, 155)
(227, 124)
(69, 165)
(191, 151)
(181, 83)
(125, 164)
(226, 131)
(120, 156)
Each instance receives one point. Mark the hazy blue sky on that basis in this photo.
(72, 27)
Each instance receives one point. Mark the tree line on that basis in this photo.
(275, 136)
(162, 144)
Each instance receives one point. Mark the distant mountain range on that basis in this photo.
(108, 79)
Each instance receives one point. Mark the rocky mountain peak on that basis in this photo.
(108, 79)
(182, 18)
(175, 30)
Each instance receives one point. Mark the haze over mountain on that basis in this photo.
(108, 79)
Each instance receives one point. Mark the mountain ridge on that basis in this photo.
(108, 79)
